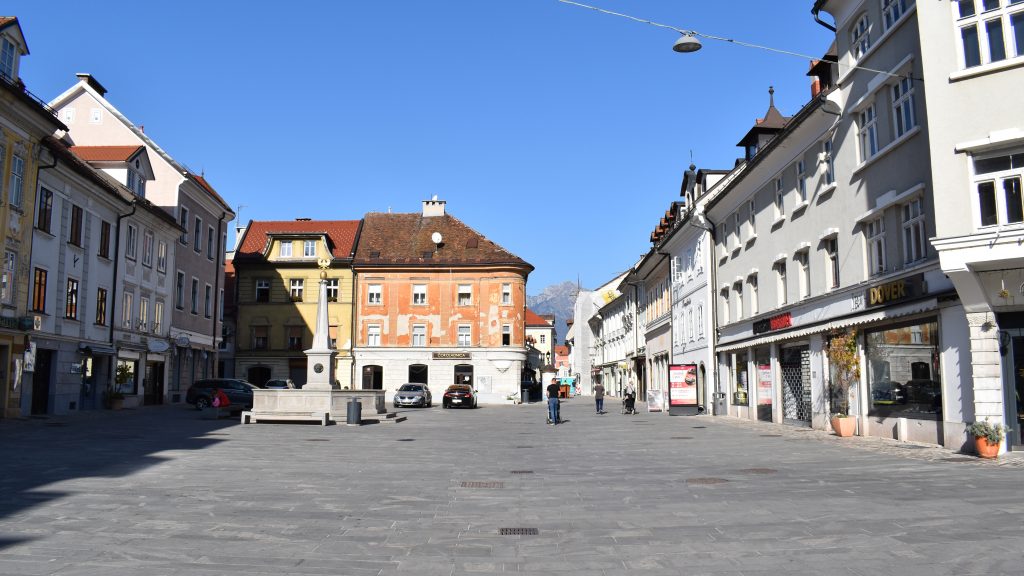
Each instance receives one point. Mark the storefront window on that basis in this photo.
(740, 395)
(903, 371)
(763, 365)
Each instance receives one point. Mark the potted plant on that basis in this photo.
(115, 396)
(844, 359)
(987, 437)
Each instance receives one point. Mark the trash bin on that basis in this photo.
(354, 414)
(720, 408)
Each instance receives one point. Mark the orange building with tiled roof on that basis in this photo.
(276, 290)
(438, 303)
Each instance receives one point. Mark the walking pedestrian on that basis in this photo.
(599, 397)
(553, 390)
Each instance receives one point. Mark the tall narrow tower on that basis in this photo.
(320, 357)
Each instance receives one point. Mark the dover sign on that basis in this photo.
(895, 291)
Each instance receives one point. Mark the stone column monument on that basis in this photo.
(320, 357)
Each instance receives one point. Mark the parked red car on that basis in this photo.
(459, 396)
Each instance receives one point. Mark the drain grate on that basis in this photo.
(522, 472)
(771, 435)
(682, 437)
(483, 484)
(519, 531)
(317, 440)
(706, 481)
(759, 471)
(406, 440)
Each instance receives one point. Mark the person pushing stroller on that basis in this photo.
(629, 402)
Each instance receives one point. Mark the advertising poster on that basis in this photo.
(682, 384)
(764, 383)
(655, 401)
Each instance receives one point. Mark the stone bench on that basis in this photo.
(253, 417)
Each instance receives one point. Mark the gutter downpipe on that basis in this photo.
(817, 18)
(219, 264)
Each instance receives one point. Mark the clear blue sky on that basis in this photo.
(560, 133)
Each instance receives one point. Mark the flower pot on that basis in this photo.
(116, 403)
(986, 450)
(844, 426)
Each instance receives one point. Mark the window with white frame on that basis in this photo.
(867, 133)
(131, 240)
(373, 335)
(752, 281)
(127, 302)
(914, 238)
(736, 228)
(71, 300)
(991, 34)
(801, 181)
(737, 298)
(465, 295)
(751, 218)
(161, 256)
(780, 198)
(147, 248)
(465, 335)
(998, 182)
(419, 294)
(210, 243)
(724, 299)
(860, 37)
(419, 335)
(286, 249)
(183, 222)
(804, 259)
(829, 162)
(7, 56)
(143, 314)
(332, 289)
(692, 327)
(158, 315)
(506, 335)
(296, 286)
(832, 251)
(198, 245)
(781, 283)
(309, 248)
(903, 106)
(506, 294)
(17, 181)
(725, 239)
(892, 11)
(875, 232)
(179, 291)
(374, 294)
(101, 306)
(262, 290)
(208, 302)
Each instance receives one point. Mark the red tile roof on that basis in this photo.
(561, 350)
(390, 239)
(533, 319)
(341, 235)
(106, 153)
(205, 185)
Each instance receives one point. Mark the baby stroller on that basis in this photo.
(629, 403)
(558, 414)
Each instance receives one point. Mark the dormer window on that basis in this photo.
(751, 150)
(7, 55)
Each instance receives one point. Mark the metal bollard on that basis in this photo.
(354, 414)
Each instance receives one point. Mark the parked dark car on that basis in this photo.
(412, 394)
(239, 392)
(459, 396)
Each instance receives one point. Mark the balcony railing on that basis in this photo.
(18, 86)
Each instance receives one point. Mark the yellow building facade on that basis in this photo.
(277, 292)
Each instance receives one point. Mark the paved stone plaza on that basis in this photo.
(159, 491)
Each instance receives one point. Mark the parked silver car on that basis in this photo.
(411, 394)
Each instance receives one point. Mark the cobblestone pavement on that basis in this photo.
(159, 491)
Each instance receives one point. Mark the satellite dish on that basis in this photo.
(436, 238)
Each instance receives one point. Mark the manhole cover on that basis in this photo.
(519, 531)
(406, 440)
(682, 437)
(316, 440)
(524, 446)
(483, 484)
(771, 435)
(522, 472)
(699, 427)
(706, 481)
(759, 471)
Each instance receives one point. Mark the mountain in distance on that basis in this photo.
(557, 299)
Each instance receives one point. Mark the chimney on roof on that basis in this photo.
(433, 207)
(92, 82)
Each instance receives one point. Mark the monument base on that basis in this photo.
(316, 405)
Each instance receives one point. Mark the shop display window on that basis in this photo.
(903, 371)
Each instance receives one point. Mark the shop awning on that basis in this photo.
(800, 332)
(95, 350)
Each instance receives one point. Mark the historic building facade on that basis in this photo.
(437, 303)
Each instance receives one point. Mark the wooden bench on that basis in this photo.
(253, 417)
